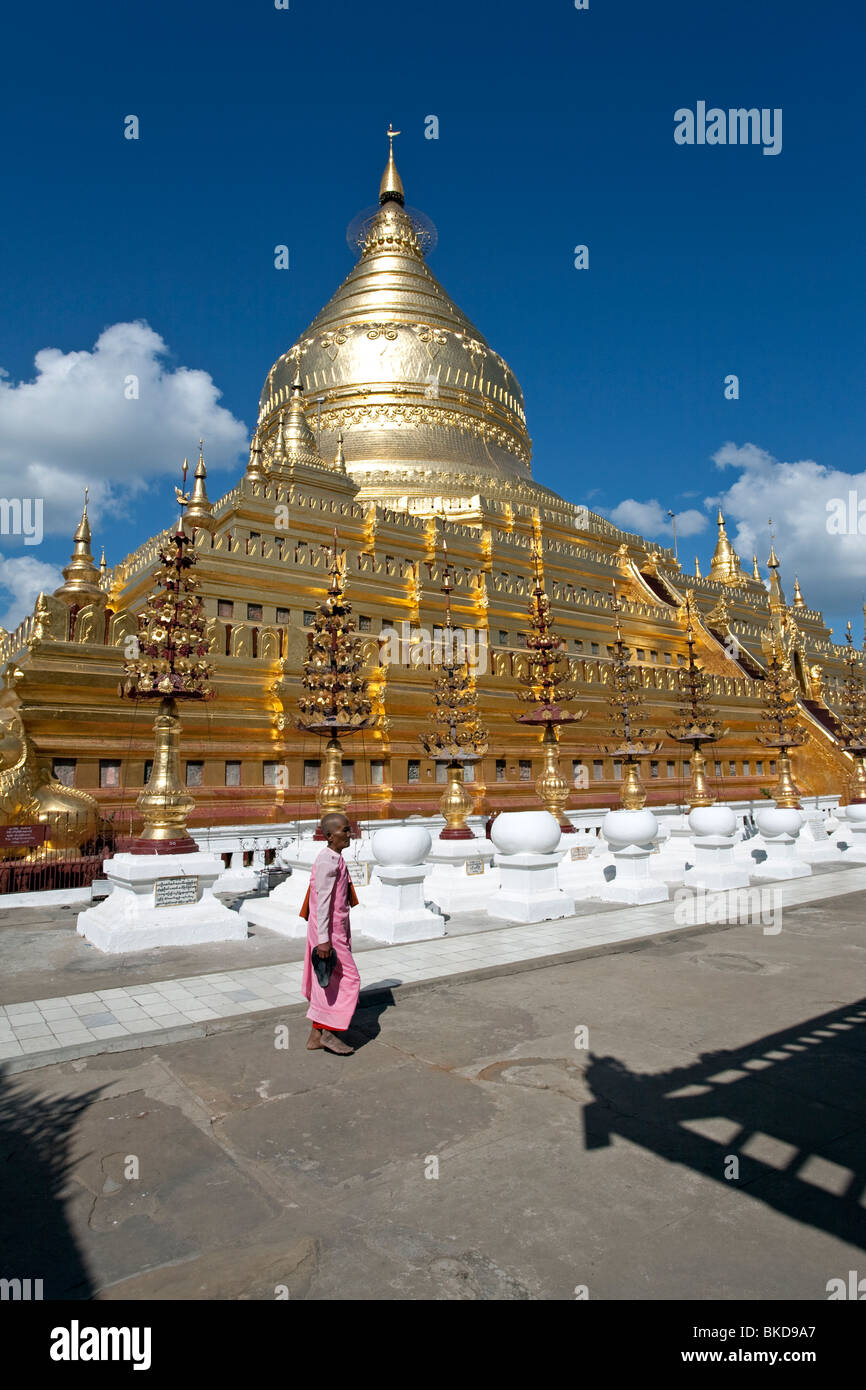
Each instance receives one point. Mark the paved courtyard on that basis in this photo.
(703, 1139)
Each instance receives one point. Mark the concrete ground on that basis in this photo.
(705, 1140)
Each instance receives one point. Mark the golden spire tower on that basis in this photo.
(852, 709)
(81, 577)
(698, 722)
(632, 741)
(335, 699)
(725, 564)
(171, 665)
(458, 737)
(781, 727)
(548, 684)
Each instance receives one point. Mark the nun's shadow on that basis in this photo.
(365, 1025)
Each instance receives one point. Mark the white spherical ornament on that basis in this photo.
(778, 820)
(401, 844)
(519, 832)
(621, 828)
(713, 820)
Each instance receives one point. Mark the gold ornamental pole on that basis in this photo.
(457, 738)
(171, 665)
(625, 705)
(781, 729)
(335, 700)
(698, 722)
(549, 685)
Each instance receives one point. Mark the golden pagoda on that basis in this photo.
(420, 437)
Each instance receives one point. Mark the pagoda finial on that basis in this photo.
(81, 577)
(391, 187)
(340, 460)
(725, 564)
(199, 510)
(799, 601)
(698, 574)
(756, 573)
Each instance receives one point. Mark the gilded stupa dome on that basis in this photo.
(424, 404)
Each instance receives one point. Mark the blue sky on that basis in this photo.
(261, 126)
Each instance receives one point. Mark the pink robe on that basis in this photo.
(329, 921)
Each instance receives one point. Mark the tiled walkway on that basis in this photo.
(43, 1031)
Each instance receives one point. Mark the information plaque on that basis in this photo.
(175, 892)
(359, 873)
(581, 851)
(474, 866)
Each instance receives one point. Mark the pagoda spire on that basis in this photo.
(199, 510)
(81, 576)
(391, 187)
(725, 564)
(799, 601)
(756, 573)
(777, 593)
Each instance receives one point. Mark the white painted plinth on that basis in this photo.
(450, 885)
(633, 882)
(814, 844)
(780, 829)
(529, 888)
(399, 912)
(782, 860)
(852, 833)
(715, 867)
(675, 852)
(128, 921)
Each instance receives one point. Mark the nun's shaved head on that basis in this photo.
(332, 822)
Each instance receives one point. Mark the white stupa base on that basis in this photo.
(675, 853)
(237, 881)
(451, 886)
(782, 859)
(399, 912)
(814, 845)
(529, 889)
(633, 883)
(127, 919)
(715, 866)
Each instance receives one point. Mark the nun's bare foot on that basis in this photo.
(332, 1043)
(314, 1041)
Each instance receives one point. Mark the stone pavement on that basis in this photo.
(478, 1145)
(58, 1027)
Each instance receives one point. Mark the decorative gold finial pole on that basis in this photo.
(698, 723)
(548, 684)
(171, 666)
(625, 704)
(781, 728)
(335, 700)
(457, 739)
(853, 714)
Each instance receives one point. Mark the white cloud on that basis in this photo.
(651, 519)
(24, 578)
(74, 424)
(798, 497)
